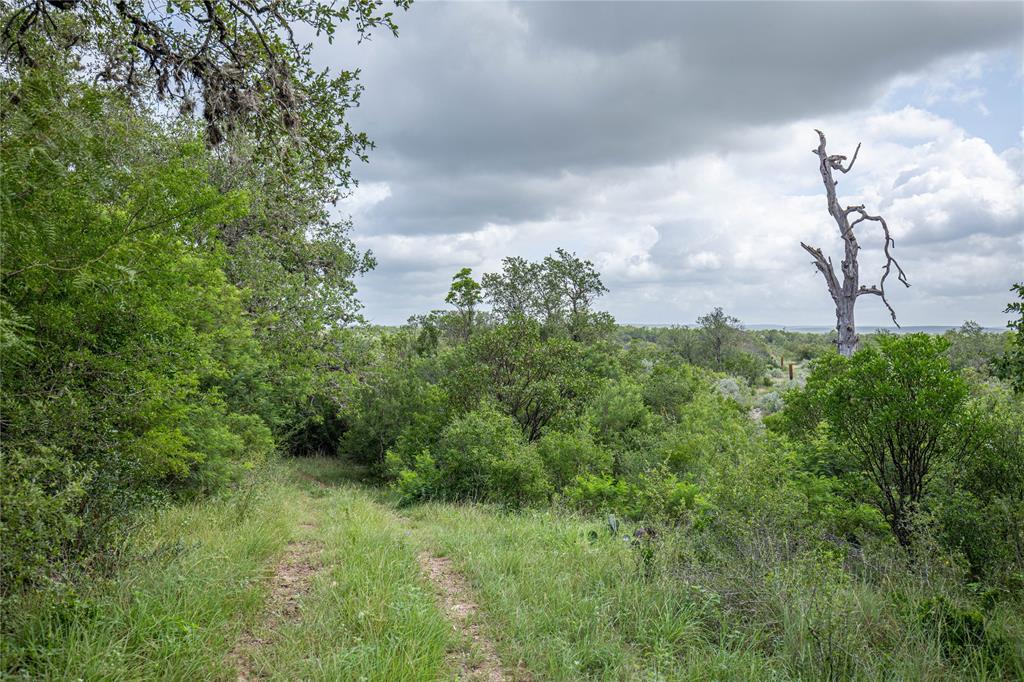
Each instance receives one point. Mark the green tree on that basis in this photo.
(559, 292)
(535, 380)
(719, 333)
(1011, 366)
(972, 347)
(132, 373)
(515, 291)
(241, 60)
(465, 295)
(896, 406)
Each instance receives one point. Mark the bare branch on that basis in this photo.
(845, 295)
(824, 265)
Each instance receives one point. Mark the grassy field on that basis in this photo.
(574, 602)
(306, 574)
(198, 580)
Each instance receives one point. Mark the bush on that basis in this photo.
(897, 406)
(481, 456)
(770, 403)
(979, 498)
(655, 496)
(710, 428)
(41, 499)
(567, 455)
(731, 388)
(667, 388)
(129, 354)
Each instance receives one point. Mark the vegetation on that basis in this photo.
(178, 314)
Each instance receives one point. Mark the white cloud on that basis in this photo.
(671, 240)
(640, 137)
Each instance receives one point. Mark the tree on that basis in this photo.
(1011, 366)
(132, 370)
(514, 292)
(534, 379)
(239, 59)
(574, 281)
(558, 292)
(465, 295)
(896, 406)
(972, 347)
(845, 295)
(719, 332)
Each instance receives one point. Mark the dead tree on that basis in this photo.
(845, 295)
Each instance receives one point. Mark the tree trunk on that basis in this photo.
(845, 294)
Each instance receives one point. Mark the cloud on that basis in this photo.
(669, 143)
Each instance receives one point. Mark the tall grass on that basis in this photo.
(192, 579)
(196, 577)
(574, 602)
(563, 598)
(370, 614)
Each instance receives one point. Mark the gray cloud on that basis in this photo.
(543, 86)
(513, 115)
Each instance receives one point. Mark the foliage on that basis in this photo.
(558, 292)
(533, 379)
(133, 371)
(480, 456)
(979, 503)
(393, 402)
(972, 347)
(568, 455)
(668, 387)
(654, 496)
(465, 294)
(241, 60)
(897, 406)
(1011, 365)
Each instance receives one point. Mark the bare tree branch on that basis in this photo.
(845, 295)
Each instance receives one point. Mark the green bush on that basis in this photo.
(567, 455)
(128, 371)
(668, 387)
(41, 502)
(621, 421)
(655, 496)
(710, 428)
(480, 456)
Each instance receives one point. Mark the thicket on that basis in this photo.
(175, 293)
(900, 452)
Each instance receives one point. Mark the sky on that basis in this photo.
(670, 144)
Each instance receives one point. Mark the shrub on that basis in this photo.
(770, 403)
(730, 387)
(567, 455)
(654, 496)
(897, 405)
(710, 428)
(41, 498)
(668, 387)
(518, 478)
(480, 456)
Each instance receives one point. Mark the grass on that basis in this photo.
(198, 578)
(193, 580)
(370, 615)
(574, 606)
(562, 598)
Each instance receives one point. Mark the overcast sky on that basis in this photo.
(670, 143)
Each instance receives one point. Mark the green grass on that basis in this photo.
(561, 597)
(370, 615)
(574, 607)
(197, 578)
(194, 579)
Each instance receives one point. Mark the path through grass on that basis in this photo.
(310, 575)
